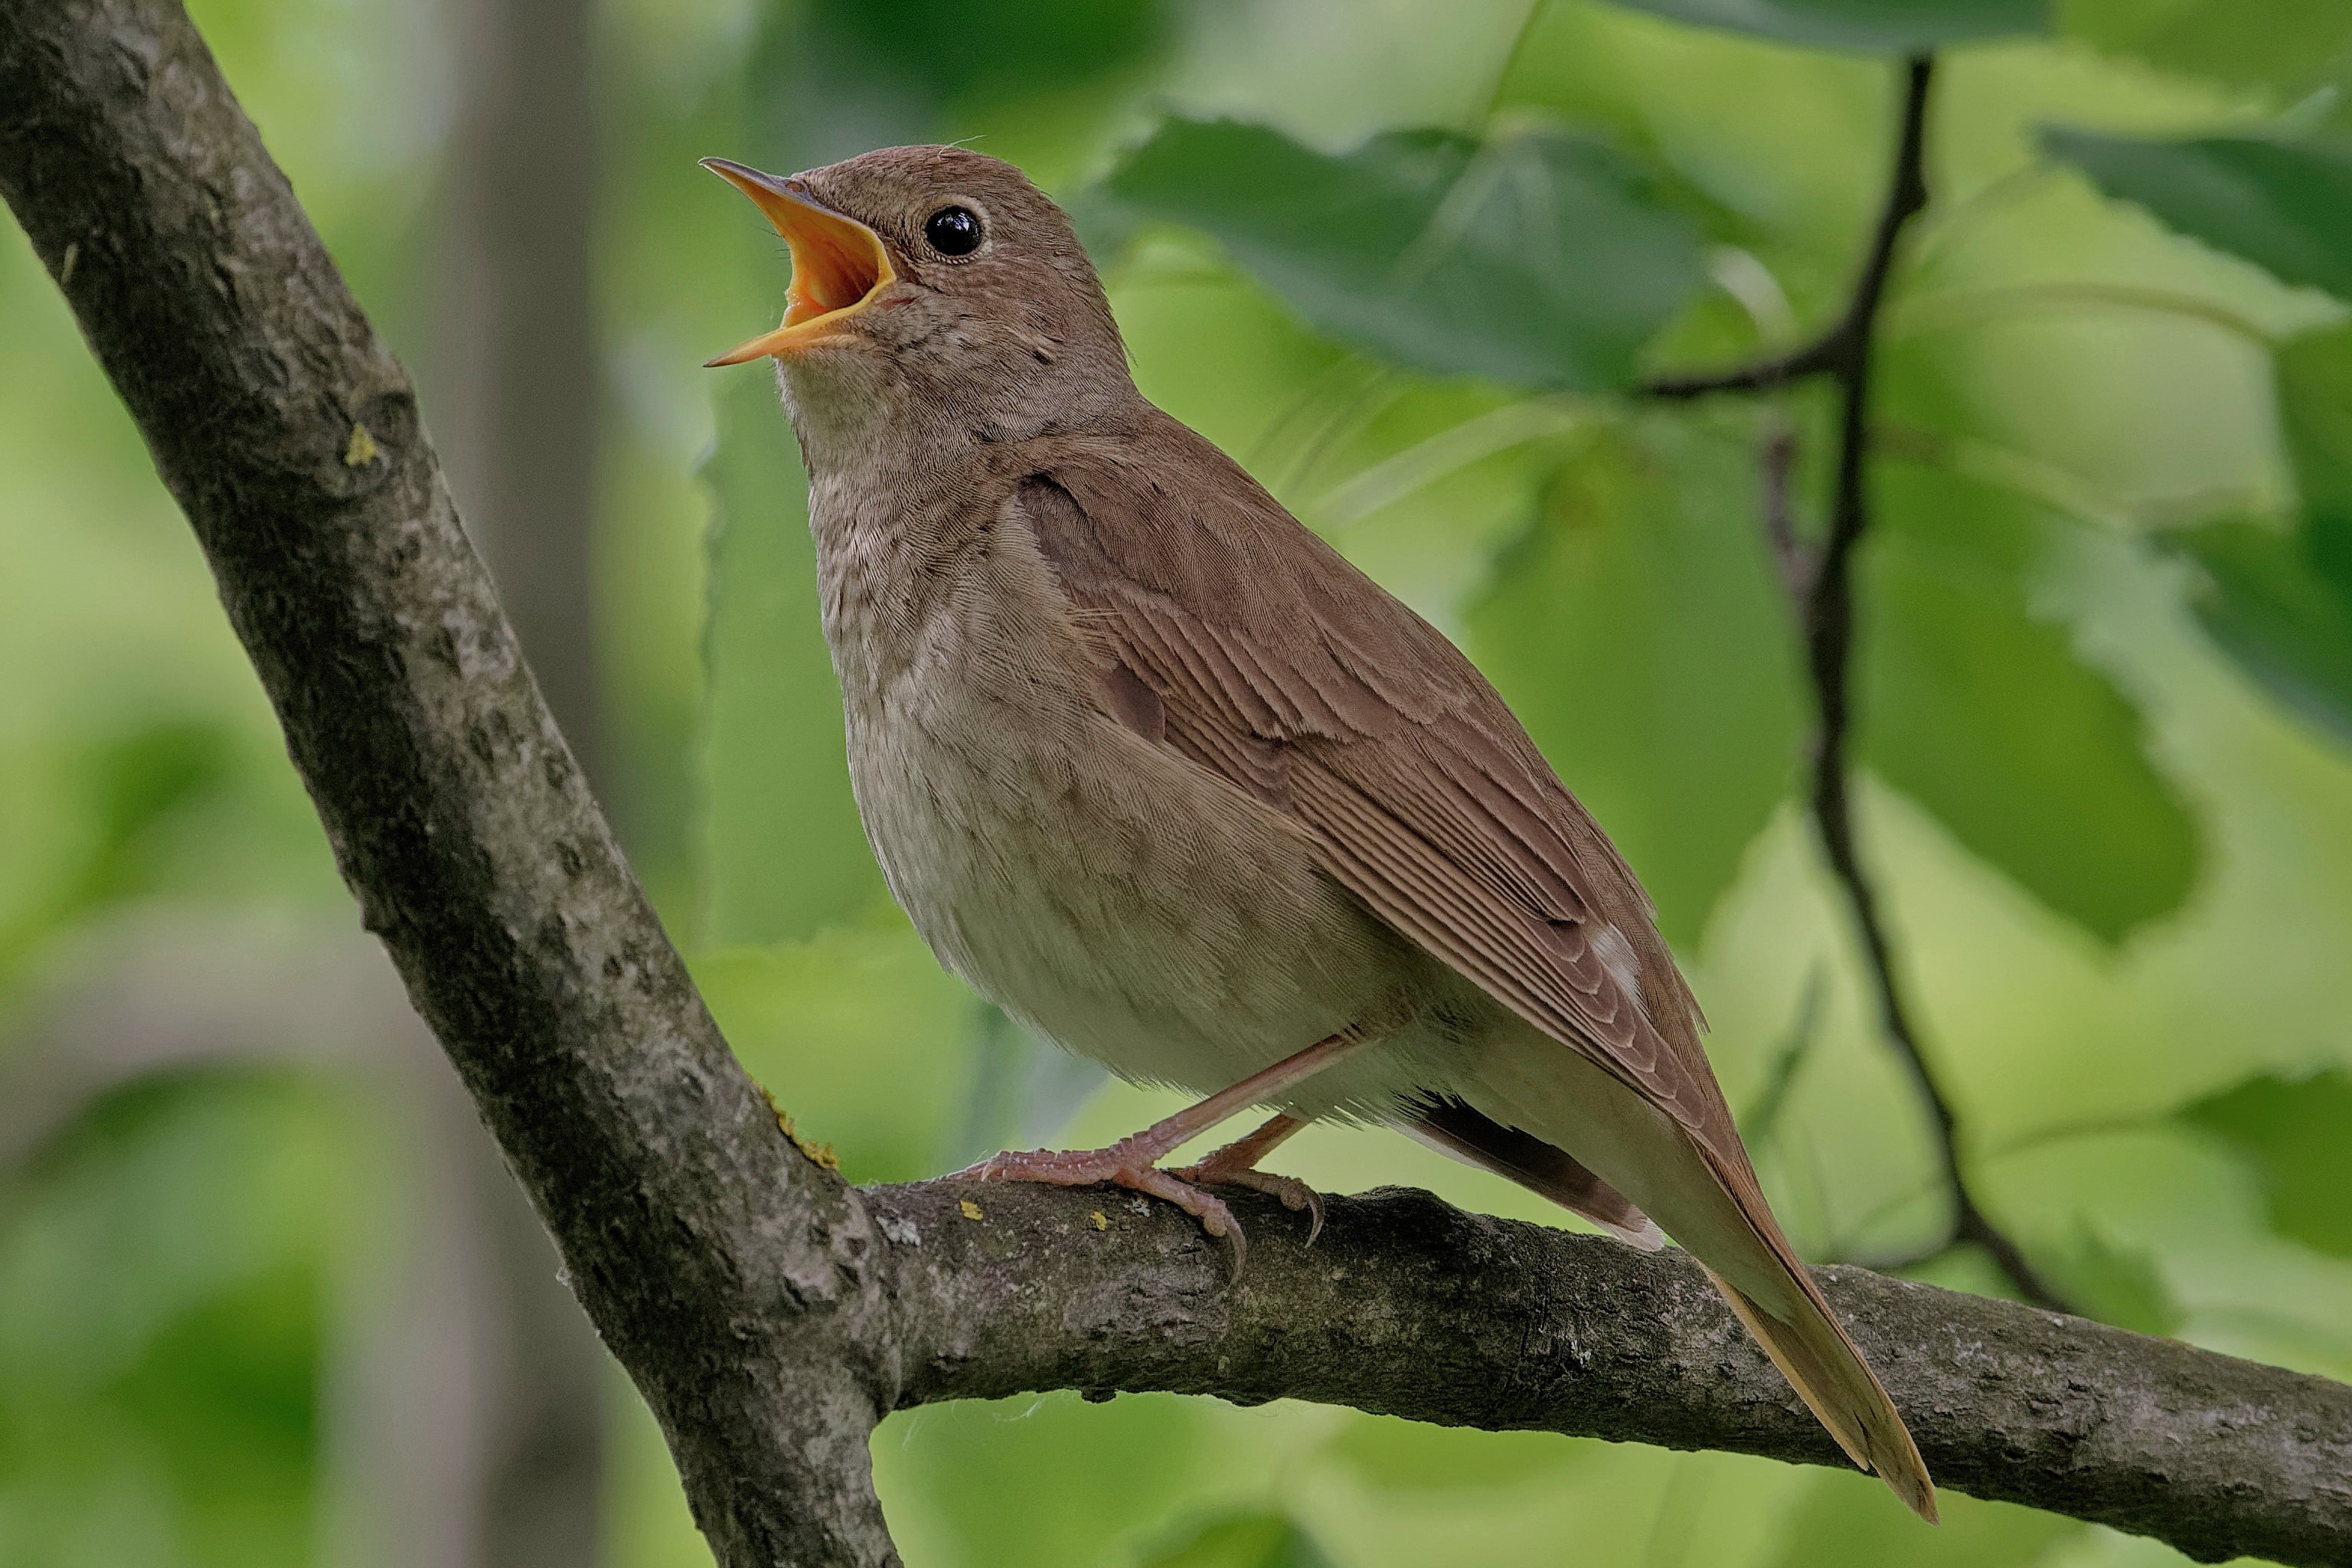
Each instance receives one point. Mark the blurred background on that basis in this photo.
(265, 1297)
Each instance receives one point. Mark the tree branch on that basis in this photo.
(1828, 608)
(770, 1314)
(1411, 1307)
(733, 1279)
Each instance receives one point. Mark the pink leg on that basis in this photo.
(1235, 1165)
(1133, 1161)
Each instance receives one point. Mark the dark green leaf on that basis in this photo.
(2270, 605)
(1242, 1541)
(1868, 26)
(2298, 1136)
(2315, 401)
(1982, 713)
(2289, 45)
(993, 47)
(783, 855)
(2283, 206)
(1543, 259)
(1640, 635)
(2278, 597)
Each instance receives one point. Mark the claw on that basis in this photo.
(1121, 1163)
(1294, 1194)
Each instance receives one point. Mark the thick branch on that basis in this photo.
(753, 1297)
(729, 1275)
(1411, 1307)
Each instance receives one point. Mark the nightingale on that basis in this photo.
(1157, 770)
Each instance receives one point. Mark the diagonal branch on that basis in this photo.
(1821, 583)
(770, 1314)
(733, 1279)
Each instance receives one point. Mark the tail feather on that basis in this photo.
(1817, 1357)
(1698, 1187)
(1813, 1352)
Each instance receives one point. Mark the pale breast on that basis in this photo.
(1104, 890)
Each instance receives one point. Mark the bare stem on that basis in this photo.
(1821, 585)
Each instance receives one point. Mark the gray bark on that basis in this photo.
(753, 1297)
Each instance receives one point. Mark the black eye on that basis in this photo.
(953, 231)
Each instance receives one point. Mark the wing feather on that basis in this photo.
(1420, 791)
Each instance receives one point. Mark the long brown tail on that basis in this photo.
(1822, 1364)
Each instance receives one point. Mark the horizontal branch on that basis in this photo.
(1408, 1307)
(769, 1313)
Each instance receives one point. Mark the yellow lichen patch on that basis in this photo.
(971, 1209)
(361, 449)
(1099, 1220)
(819, 1154)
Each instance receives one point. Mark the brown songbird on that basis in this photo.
(1162, 775)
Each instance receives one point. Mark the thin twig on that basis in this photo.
(1790, 553)
(1816, 358)
(1828, 608)
(1821, 582)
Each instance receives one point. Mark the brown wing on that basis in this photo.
(1282, 669)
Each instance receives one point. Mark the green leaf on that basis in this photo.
(1982, 713)
(1542, 258)
(2286, 206)
(2289, 45)
(1242, 1541)
(2278, 599)
(1640, 634)
(783, 855)
(1867, 27)
(2298, 1136)
(2268, 600)
(2111, 1281)
(2314, 373)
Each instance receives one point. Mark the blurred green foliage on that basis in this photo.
(1395, 255)
(1540, 259)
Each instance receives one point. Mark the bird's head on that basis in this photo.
(933, 277)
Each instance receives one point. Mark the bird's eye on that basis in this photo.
(953, 231)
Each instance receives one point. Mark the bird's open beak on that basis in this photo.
(839, 263)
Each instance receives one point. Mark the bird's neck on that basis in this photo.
(878, 424)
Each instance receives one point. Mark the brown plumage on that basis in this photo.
(1163, 774)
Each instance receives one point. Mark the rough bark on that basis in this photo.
(1411, 1307)
(770, 1314)
(734, 1280)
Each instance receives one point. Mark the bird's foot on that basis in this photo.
(1294, 1194)
(1127, 1163)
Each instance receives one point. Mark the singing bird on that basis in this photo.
(1158, 771)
